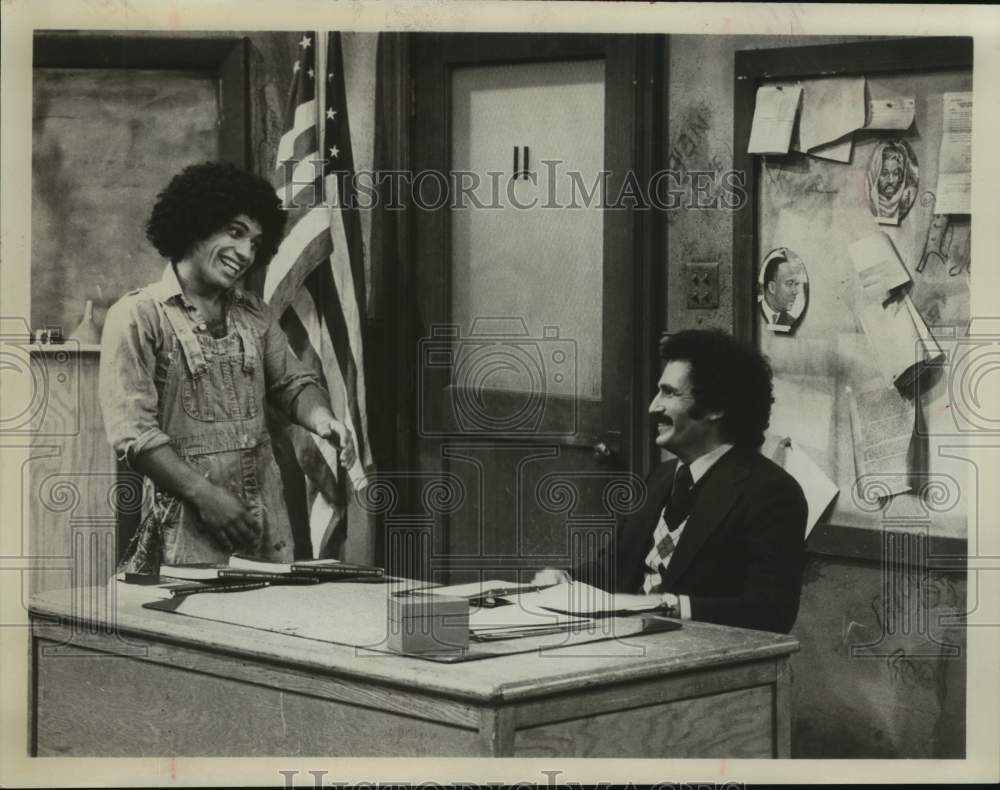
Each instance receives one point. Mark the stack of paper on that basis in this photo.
(560, 607)
(583, 600)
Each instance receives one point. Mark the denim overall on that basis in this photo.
(212, 408)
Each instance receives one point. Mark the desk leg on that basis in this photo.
(782, 710)
(32, 691)
(496, 732)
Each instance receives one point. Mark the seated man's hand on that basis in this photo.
(226, 519)
(548, 576)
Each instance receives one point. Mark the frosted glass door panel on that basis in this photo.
(527, 252)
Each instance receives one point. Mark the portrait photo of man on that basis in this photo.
(784, 290)
(892, 181)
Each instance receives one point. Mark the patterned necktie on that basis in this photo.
(679, 506)
(673, 515)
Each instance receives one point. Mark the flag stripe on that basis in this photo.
(306, 175)
(303, 131)
(323, 288)
(310, 238)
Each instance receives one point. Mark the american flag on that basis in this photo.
(316, 279)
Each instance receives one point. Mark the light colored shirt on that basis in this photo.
(699, 468)
(135, 351)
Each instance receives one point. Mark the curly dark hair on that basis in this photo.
(726, 376)
(202, 198)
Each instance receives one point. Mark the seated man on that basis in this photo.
(721, 536)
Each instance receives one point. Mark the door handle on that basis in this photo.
(607, 452)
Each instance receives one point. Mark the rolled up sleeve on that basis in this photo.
(126, 389)
(285, 375)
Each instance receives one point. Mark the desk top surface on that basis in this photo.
(509, 677)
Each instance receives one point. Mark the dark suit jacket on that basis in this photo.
(785, 319)
(741, 554)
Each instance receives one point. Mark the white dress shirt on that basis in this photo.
(699, 467)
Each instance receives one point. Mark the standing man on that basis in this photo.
(186, 366)
(721, 536)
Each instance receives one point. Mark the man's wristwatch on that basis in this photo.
(671, 605)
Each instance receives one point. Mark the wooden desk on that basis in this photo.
(165, 684)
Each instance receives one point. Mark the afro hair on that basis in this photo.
(202, 198)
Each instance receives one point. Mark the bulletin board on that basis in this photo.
(817, 208)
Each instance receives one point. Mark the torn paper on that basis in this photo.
(773, 119)
(954, 185)
(831, 108)
(896, 113)
(881, 426)
(880, 269)
(838, 151)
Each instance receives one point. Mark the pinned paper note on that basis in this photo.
(832, 107)
(882, 423)
(839, 151)
(954, 184)
(881, 271)
(896, 113)
(773, 119)
(819, 490)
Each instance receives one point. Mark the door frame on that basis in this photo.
(641, 101)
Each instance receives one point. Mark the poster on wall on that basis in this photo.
(893, 180)
(783, 290)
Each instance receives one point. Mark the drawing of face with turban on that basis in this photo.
(892, 181)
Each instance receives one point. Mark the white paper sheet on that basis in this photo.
(819, 489)
(954, 185)
(879, 267)
(882, 426)
(579, 599)
(838, 151)
(900, 339)
(773, 119)
(802, 411)
(894, 113)
(831, 108)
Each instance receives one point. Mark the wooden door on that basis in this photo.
(535, 305)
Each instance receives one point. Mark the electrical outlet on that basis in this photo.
(701, 284)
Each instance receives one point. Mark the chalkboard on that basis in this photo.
(817, 208)
(114, 117)
(105, 142)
